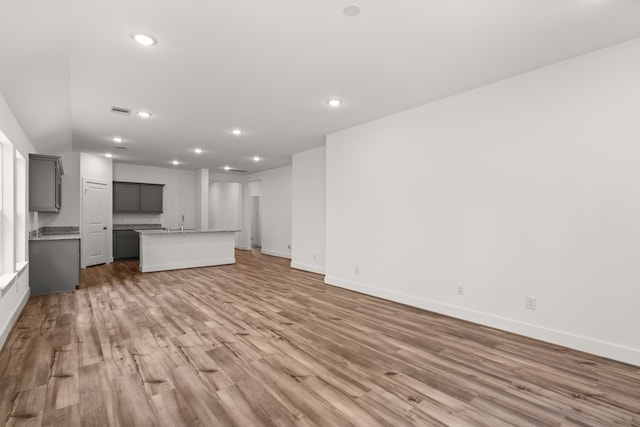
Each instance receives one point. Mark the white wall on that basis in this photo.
(202, 199)
(15, 295)
(243, 237)
(275, 205)
(255, 188)
(179, 194)
(526, 187)
(95, 167)
(308, 211)
(225, 205)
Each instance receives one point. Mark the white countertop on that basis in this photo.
(174, 231)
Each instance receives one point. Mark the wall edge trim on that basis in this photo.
(563, 338)
(6, 330)
(307, 267)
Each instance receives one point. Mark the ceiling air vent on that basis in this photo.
(121, 110)
(235, 170)
(120, 147)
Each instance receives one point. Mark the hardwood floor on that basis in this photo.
(257, 343)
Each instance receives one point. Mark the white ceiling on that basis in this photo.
(267, 67)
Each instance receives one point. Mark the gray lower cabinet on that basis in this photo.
(126, 244)
(54, 266)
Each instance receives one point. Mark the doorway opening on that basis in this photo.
(256, 231)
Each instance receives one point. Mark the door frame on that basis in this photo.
(109, 222)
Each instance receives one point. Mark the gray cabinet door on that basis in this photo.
(126, 197)
(126, 244)
(54, 266)
(151, 198)
(45, 180)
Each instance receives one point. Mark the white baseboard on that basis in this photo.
(563, 338)
(4, 333)
(276, 253)
(307, 267)
(186, 264)
(243, 248)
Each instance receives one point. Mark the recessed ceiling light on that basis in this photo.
(227, 168)
(334, 102)
(117, 139)
(256, 159)
(109, 155)
(144, 39)
(351, 11)
(175, 162)
(236, 131)
(198, 150)
(144, 114)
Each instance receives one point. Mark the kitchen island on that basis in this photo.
(175, 249)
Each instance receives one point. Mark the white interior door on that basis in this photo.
(94, 219)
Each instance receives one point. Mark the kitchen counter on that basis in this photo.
(117, 227)
(174, 249)
(55, 233)
(56, 237)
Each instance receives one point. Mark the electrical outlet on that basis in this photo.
(356, 269)
(531, 303)
(460, 290)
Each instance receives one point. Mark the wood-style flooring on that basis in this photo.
(257, 343)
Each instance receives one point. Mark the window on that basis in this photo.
(7, 247)
(20, 218)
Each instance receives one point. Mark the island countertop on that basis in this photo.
(120, 227)
(174, 231)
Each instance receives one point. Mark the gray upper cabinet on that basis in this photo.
(151, 198)
(45, 183)
(126, 197)
(137, 198)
